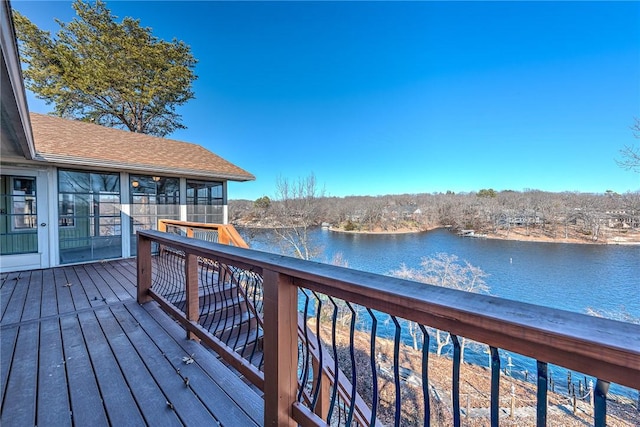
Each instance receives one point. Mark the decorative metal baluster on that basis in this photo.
(305, 352)
(254, 281)
(216, 280)
(374, 370)
(205, 281)
(600, 403)
(396, 370)
(456, 380)
(336, 369)
(236, 310)
(542, 394)
(495, 386)
(425, 375)
(352, 354)
(224, 313)
(319, 375)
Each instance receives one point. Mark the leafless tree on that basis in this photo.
(448, 271)
(298, 208)
(630, 159)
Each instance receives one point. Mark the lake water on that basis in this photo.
(566, 276)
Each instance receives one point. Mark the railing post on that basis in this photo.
(600, 403)
(223, 236)
(280, 349)
(162, 226)
(541, 405)
(144, 269)
(192, 300)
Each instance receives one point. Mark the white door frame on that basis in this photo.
(41, 259)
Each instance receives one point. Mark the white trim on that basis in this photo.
(11, 57)
(125, 215)
(183, 199)
(42, 258)
(114, 166)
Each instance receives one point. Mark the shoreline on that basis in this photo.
(634, 239)
(338, 230)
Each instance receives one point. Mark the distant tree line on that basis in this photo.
(556, 215)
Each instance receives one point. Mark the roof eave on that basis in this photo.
(137, 167)
(11, 59)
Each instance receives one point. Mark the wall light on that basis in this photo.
(135, 184)
(156, 178)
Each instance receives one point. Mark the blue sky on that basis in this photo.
(404, 97)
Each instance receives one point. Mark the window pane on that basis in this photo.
(73, 182)
(105, 183)
(152, 198)
(89, 216)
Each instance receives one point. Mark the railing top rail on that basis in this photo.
(607, 349)
(191, 224)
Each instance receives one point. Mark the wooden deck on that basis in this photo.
(76, 349)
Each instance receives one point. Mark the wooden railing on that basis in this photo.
(605, 349)
(221, 233)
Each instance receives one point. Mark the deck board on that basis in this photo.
(13, 311)
(121, 285)
(232, 385)
(49, 304)
(77, 289)
(20, 396)
(142, 385)
(199, 378)
(179, 397)
(54, 408)
(8, 286)
(63, 291)
(88, 274)
(77, 349)
(120, 406)
(86, 402)
(34, 297)
(7, 345)
(91, 291)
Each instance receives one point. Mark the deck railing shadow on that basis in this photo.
(311, 336)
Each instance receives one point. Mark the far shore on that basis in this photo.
(631, 238)
(400, 231)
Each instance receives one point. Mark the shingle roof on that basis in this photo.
(73, 142)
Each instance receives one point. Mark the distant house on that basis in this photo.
(75, 192)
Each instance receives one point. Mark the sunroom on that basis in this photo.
(88, 189)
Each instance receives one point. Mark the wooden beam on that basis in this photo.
(280, 349)
(144, 269)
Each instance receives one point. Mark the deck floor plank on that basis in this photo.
(77, 288)
(97, 273)
(120, 406)
(7, 346)
(248, 402)
(88, 273)
(16, 302)
(33, 300)
(19, 404)
(180, 397)
(53, 397)
(8, 286)
(92, 292)
(77, 349)
(49, 305)
(86, 402)
(63, 291)
(153, 402)
(129, 271)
